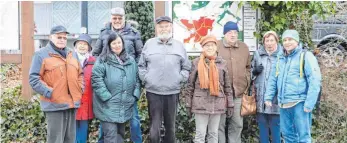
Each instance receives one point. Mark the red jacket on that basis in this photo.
(85, 112)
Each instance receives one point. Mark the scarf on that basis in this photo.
(62, 52)
(82, 58)
(208, 76)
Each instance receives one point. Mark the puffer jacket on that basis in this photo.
(132, 40)
(85, 112)
(261, 57)
(199, 100)
(59, 80)
(288, 84)
(116, 88)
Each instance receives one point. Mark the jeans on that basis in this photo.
(162, 108)
(295, 124)
(205, 122)
(234, 127)
(266, 123)
(82, 131)
(135, 128)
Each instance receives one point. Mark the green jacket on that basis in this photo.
(116, 88)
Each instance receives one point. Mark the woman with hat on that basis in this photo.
(268, 118)
(84, 114)
(209, 92)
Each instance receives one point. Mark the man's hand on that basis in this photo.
(307, 110)
(268, 103)
(230, 112)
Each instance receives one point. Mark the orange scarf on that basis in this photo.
(208, 76)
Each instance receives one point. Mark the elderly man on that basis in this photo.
(163, 67)
(57, 75)
(132, 37)
(296, 79)
(133, 46)
(236, 54)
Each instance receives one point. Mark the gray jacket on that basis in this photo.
(132, 40)
(163, 67)
(262, 57)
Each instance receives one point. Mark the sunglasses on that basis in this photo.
(118, 18)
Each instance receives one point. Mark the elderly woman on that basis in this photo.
(209, 92)
(267, 117)
(117, 87)
(85, 113)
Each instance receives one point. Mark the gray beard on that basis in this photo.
(165, 36)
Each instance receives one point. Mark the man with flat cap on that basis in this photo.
(57, 76)
(163, 67)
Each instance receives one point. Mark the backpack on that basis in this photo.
(302, 65)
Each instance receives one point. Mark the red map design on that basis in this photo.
(200, 27)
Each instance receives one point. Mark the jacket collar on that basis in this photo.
(52, 52)
(169, 42)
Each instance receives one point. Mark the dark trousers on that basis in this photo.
(162, 108)
(61, 126)
(113, 132)
(269, 123)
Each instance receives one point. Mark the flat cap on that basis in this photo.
(118, 11)
(59, 29)
(163, 18)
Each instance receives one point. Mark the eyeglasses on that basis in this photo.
(64, 38)
(118, 18)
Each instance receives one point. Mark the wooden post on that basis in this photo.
(27, 44)
(159, 8)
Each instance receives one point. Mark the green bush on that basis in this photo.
(23, 121)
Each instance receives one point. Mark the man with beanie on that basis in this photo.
(163, 68)
(85, 113)
(236, 54)
(57, 76)
(296, 79)
(133, 46)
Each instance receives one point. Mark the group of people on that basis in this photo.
(105, 82)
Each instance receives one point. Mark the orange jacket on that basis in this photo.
(58, 80)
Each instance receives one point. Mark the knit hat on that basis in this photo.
(270, 33)
(291, 34)
(208, 38)
(230, 26)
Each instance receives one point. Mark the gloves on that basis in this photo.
(230, 112)
(189, 112)
(258, 69)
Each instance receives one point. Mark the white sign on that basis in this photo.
(249, 25)
(9, 25)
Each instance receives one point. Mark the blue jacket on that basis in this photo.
(261, 57)
(288, 83)
(116, 88)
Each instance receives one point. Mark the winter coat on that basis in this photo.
(238, 63)
(116, 88)
(163, 67)
(288, 84)
(199, 100)
(85, 112)
(59, 80)
(261, 57)
(132, 40)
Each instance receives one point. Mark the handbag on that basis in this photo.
(248, 103)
